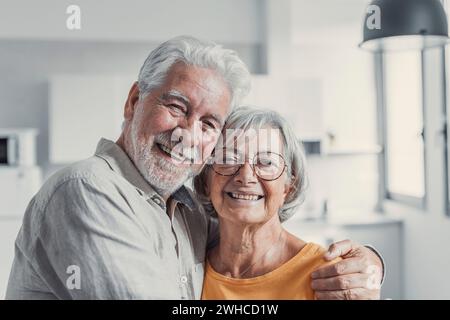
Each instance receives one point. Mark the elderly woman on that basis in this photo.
(255, 181)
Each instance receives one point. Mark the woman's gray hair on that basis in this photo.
(197, 53)
(246, 118)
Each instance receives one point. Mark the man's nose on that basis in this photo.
(189, 133)
(246, 175)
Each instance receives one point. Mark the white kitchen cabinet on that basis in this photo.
(297, 99)
(349, 101)
(9, 228)
(345, 76)
(334, 104)
(17, 186)
(84, 108)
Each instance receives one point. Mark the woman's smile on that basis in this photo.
(243, 196)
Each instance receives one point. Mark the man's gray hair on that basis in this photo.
(247, 118)
(195, 52)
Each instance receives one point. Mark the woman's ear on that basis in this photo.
(287, 190)
(289, 187)
(133, 97)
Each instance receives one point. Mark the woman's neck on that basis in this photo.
(249, 250)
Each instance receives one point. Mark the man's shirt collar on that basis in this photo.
(119, 162)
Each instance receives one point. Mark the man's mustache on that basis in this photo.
(191, 154)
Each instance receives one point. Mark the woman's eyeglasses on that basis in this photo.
(267, 165)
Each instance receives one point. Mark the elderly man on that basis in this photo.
(121, 225)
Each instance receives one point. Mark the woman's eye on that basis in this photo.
(230, 160)
(265, 162)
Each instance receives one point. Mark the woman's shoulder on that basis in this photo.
(308, 252)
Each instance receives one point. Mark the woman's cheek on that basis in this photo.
(216, 193)
(274, 202)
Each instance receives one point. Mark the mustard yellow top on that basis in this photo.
(291, 280)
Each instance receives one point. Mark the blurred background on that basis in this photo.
(373, 124)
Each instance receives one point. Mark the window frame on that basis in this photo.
(384, 193)
(446, 111)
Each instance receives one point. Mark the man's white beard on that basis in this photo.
(160, 173)
(163, 175)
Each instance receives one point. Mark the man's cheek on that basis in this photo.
(209, 141)
(160, 121)
(206, 152)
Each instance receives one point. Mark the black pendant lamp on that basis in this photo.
(392, 25)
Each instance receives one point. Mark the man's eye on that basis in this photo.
(177, 108)
(208, 125)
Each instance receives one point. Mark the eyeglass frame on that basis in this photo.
(252, 165)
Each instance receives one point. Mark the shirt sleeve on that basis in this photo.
(213, 232)
(91, 246)
(383, 264)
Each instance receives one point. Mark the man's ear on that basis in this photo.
(130, 104)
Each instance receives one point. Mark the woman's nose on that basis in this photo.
(246, 175)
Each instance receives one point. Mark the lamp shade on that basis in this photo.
(391, 25)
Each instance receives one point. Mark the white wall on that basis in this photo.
(226, 21)
(426, 255)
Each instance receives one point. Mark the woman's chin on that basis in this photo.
(243, 216)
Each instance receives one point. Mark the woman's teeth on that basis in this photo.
(244, 196)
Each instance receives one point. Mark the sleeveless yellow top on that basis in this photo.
(291, 280)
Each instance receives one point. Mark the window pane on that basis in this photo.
(404, 117)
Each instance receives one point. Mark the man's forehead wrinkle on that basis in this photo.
(174, 93)
(185, 94)
(214, 80)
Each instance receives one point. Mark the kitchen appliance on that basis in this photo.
(17, 147)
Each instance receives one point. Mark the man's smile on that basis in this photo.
(179, 158)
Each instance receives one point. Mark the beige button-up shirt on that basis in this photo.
(98, 230)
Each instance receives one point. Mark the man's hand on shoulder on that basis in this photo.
(356, 277)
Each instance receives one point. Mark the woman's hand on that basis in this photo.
(356, 277)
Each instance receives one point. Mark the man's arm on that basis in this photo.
(357, 277)
(90, 229)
